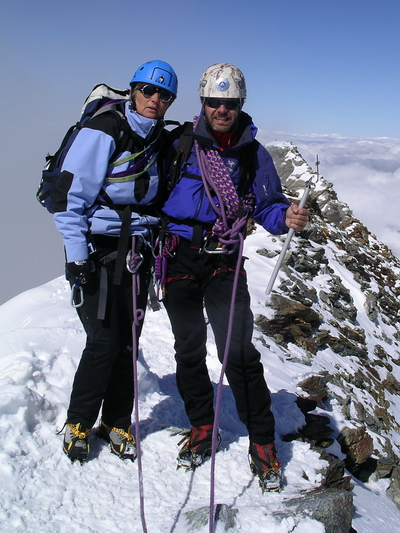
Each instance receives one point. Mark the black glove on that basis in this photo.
(80, 270)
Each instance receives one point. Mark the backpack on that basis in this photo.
(101, 99)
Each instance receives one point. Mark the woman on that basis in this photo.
(114, 172)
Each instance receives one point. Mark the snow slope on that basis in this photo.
(41, 340)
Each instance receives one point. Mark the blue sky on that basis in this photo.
(312, 67)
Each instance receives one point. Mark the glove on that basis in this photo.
(80, 270)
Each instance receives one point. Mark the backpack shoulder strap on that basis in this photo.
(185, 143)
(110, 106)
(248, 166)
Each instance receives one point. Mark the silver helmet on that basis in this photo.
(222, 80)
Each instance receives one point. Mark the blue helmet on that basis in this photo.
(157, 73)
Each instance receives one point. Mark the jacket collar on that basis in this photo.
(144, 127)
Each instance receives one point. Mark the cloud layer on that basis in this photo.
(365, 173)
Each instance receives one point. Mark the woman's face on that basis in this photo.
(150, 107)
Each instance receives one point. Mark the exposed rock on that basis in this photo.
(370, 306)
(198, 518)
(384, 468)
(292, 322)
(317, 432)
(333, 475)
(316, 387)
(356, 444)
(393, 490)
(391, 384)
(306, 404)
(333, 507)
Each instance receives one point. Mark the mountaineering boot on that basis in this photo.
(196, 447)
(122, 442)
(265, 465)
(76, 442)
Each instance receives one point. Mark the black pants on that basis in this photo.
(192, 279)
(104, 377)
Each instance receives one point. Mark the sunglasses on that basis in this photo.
(228, 104)
(150, 90)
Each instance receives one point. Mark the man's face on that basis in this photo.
(222, 115)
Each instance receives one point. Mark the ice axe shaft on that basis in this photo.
(287, 241)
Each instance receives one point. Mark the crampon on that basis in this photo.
(196, 449)
(265, 465)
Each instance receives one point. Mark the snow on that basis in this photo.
(41, 491)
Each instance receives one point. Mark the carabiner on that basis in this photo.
(77, 290)
(217, 250)
(138, 260)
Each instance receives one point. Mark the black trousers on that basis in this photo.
(104, 377)
(192, 280)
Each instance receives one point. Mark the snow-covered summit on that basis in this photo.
(332, 319)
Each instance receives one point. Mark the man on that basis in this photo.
(226, 177)
(104, 208)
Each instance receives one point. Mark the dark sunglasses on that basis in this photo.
(150, 90)
(228, 104)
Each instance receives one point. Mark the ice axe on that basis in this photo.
(289, 236)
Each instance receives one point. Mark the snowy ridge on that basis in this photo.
(41, 340)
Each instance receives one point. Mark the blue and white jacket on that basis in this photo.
(188, 203)
(87, 178)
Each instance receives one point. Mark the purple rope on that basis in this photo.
(219, 390)
(202, 159)
(166, 250)
(138, 315)
(228, 236)
(216, 178)
(231, 236)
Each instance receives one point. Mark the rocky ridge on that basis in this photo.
(314, 310)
